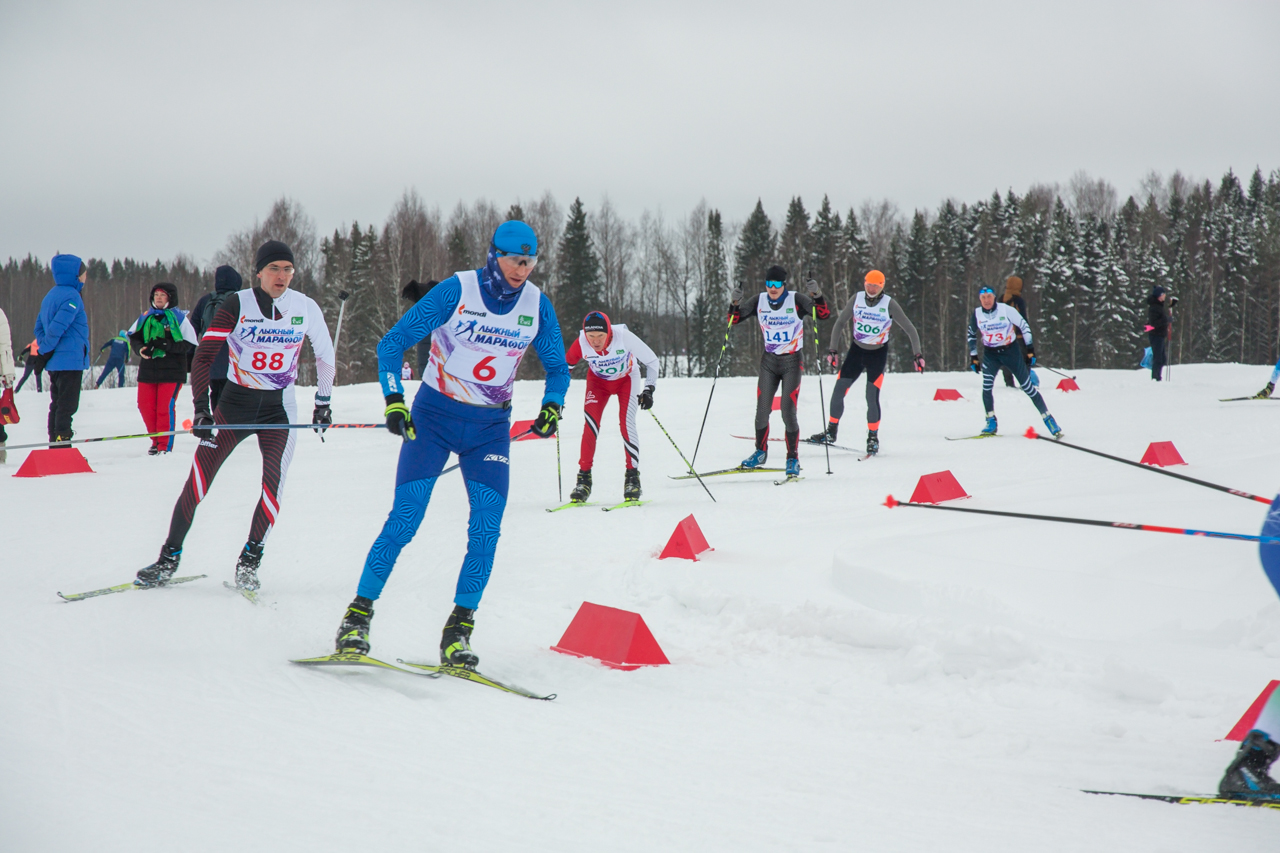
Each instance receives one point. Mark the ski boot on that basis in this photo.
(455, 642)
(581, 489)
(353, 633)
(793, 468)
(1052, 425)
(1265, 393)
(990, 428)
(631, 485)
(159, 572)
(1246, 777)
(827, 436)
(247, 566)
(755, 460)
(873, 442)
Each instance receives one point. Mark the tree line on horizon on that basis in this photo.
(1088, 263)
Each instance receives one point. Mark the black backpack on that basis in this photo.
(211, 309)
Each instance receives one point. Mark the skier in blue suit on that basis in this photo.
(481, 323)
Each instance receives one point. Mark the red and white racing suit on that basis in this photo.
(615, 371)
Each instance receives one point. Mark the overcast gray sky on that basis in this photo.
(146, 129)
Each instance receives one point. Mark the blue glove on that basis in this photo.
(973, 362)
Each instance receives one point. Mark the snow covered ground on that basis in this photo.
(843, 676)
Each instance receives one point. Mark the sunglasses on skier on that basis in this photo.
(775, 285)
(529, 261)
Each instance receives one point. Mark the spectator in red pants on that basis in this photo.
(164, 338)
(614, 357)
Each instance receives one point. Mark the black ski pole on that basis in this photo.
(1059, 372)
(686, 461)
(822, 398)
(559, 478)
(1031, 433)
(892, 502)
(716, 378)
(188, 431)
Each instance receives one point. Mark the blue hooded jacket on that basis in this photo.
(62, 326)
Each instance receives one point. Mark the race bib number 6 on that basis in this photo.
(479, 367)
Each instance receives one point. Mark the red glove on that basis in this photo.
(833, 359)
(919, 363)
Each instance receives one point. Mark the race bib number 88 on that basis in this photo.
(268, 362)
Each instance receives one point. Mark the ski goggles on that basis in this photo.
(982, 290)
(775, 285)
(529, 261)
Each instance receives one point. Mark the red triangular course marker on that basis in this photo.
(55, 460)
(1263, 714)
(617, 638)
(686, 541)
(936, 488)
(1162, 453)
(1068, 384)
(947, 394)
(518, 428)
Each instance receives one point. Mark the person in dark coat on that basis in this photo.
(1159, 322)
(225, 281)
(32, 362)
(1013, 297)
(163, 337)
(62, 337)
(413, 291)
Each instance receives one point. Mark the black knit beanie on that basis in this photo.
(272, 250)
(775, 273)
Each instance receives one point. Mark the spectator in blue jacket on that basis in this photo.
(62, 334)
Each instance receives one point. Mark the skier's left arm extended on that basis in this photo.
(809, 305)
(1021, 323)
(322, 348)
(899, 317)
(648, 360)
(550, 348)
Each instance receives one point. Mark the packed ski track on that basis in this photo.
(843, 676)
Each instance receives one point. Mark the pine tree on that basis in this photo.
(1057, 290)
(459, 253)
(824, 239)
(578, 272)
(709, 306)
(793, 243)
(755, 250)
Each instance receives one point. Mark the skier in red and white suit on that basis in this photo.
(614, 357)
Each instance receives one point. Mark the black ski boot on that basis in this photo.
(455, 642)
(827, 436)
(873, 442)
(247, 566)
(1246, 777)
(1265, 393)
(353, 633)
(631, 485)
(159, 572)
(581, 489)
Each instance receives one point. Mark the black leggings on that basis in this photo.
(243, 406)
(1158, 354)
(778, 370)
(1008, 356)
(858, 360)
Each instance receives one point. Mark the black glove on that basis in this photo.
(1031, 356)
(201, 425)
(321, 414)
(1173, 301)
(646, 398)
(918, 361)
(973, 362)
(736, 296)
(399, 421)
(544, 426)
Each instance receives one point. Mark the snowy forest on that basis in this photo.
(1088, 262)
